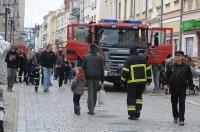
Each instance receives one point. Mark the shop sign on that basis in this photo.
(190, 24)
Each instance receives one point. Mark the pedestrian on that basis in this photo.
(178, 77)
(70, 73)
(48, 59)
(61, 66)
(168, 62)
(30, 61)
(12, 60)
(77, 88)
(156, 76)
(36, 75)
(136, 74)
(22, 65)
(66, 71)
(94, 72)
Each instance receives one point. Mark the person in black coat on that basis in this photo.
(22, 64)
(12, 60)
(178, 77)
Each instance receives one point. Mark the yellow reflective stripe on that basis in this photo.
(19, 76)
(149, 77)
(148, 68)
(123, 79)
(125, 69)
(132, 73)
(131, 108)
(138, 101)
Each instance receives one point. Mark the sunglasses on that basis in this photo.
(178, 55)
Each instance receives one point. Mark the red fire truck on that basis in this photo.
(114, 38)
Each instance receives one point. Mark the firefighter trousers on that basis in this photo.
(134, 98)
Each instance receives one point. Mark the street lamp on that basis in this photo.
(15, 21)
(7, 10)
(11, 21)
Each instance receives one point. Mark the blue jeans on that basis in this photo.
(47, 77)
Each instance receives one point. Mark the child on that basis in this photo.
(36, 74)
(77, 88)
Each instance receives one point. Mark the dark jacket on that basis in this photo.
(22, 61)
(47, 59)
(179, 76)
(61, 62)
(78, 84)
(93, 66)
(14, 63)
(38, 56)
(136, 70)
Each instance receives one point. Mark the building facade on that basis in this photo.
(16, 14)
(190, 27)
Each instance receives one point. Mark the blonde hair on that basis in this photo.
(30, 55)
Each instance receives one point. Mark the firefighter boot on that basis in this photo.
(137, 114)
(36, 89)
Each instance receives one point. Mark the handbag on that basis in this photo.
(101, 98)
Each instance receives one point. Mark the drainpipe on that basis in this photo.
(145, 13)
(180, 32)
(116, 9)
(161, 14)
(134, 11)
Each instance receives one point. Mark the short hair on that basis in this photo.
(179, 52)
(48, 45)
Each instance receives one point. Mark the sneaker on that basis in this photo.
(90, 113)
(175, 120)
(132, 118)
(45, 91)
(36, 90)
(181, 123)
(20, 82)
(28, 84)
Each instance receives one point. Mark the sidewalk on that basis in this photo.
(27, 111)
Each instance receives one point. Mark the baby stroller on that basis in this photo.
(196, 88)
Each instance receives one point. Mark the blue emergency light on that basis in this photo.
(110, 20)
(122, 21)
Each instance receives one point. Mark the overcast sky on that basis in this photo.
(35, 10)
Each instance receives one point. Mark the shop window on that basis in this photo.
(189, 46)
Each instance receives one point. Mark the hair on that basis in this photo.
(30, 55)
(80, 70)
(48, 45)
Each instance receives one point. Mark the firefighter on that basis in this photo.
(136, 74)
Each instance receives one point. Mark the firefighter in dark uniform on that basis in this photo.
(36, 76)
(178, 77)
(136, 74)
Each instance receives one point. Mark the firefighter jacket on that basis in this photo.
(179, 76)
(136, 70)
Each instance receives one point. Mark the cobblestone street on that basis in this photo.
(27, 111)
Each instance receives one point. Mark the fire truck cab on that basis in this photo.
(114, 39)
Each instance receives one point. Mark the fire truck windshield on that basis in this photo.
(122, 38)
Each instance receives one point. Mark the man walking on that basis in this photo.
(12, 60)
(178, 77)
(48, 59)
(136, 73)
(94, 71)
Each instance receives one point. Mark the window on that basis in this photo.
(189, 46)
(144, 6)
(150, 5)
(158, 3)
(185, 5)
(167, 1)
(111, 9)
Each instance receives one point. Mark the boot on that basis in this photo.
(137, 114)
(36, 89)
(78, 110)
(132, 117)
